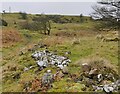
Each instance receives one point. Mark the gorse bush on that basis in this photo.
(38, 24)
(23, 15)
(3, 22)
(31, 26)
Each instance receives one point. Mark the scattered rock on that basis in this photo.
(93, 73)
(46, 58)
(98, 75)
(47, 78)
(108, 88)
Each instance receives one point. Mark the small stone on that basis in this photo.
(52, 62)
(60, 66)
(93, 72)
(100, 77)
(107, 88)
(40, 63)
(86, 67)
(26, 69)
(31, 67)
(47, 78)
(65, 70)
(67, 52)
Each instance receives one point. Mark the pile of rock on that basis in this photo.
(46, 58)
(99, 75)
(112, 87)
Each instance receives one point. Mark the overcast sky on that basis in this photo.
(67, 8)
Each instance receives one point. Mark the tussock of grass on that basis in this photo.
(53, 41)
(99, 63)
(10, 36)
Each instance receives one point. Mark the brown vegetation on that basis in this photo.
(53, 41)
(10, 36)
(74, 33)
(100, 64)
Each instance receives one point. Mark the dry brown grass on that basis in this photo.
(10, 36)
(54, 40)
(98, 63)
(75, 33)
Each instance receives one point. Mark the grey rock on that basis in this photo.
(65, 70)
(117, 82)
(26, 69)
(42, 63)
(47, 78)
(52, 62)
(100, 77)
(36, 54)
(31, 67)
(93, 72)
(60, 66)
(97, 88)
(66, 62)
(68, 52)
(86, 67)
(108, 88)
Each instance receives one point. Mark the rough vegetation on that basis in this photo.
(80, 42)
(10, 36)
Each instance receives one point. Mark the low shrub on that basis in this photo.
(3, 23)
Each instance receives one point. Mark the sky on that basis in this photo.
(63, 8)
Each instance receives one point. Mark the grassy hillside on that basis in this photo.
(75, 37)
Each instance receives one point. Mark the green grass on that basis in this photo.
(87, 47)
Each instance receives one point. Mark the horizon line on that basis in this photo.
(7, 12)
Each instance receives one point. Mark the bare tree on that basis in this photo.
(108, 10)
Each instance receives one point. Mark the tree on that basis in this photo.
(109, 11)
(23, 15)
(43, 22)
(4, 11)
(39, 23)
(81, 18)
